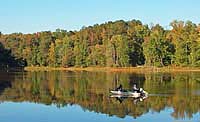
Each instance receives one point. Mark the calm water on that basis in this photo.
(84, 96)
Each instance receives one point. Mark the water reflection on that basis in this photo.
(179, 91)
(122, 98)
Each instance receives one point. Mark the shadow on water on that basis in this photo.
(179, 91)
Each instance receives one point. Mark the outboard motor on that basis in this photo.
(142, 92)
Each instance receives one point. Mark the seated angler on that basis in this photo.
(119, 88)
(135, 89)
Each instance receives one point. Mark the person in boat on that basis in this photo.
(135, 89)
(119, 88)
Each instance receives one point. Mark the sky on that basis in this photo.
(29, 16)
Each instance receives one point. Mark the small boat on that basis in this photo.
(125, 93)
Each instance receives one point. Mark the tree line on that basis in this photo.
(111, 44)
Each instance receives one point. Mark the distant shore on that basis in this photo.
(117, 69)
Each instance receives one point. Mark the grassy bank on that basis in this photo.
(119, 69)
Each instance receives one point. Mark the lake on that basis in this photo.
(84, 96)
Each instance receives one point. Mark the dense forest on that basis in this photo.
(112, 44)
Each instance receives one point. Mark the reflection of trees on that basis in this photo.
(91, 91)
(5, 80)
(180, 89)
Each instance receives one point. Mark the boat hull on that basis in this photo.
(126, 93)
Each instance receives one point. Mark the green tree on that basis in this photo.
(80, 51)
(97, 56)
(157, 50)
(118, 51)
(67, 51)
(45, 41)
(136, 35)
(52, 55)
(184, 36)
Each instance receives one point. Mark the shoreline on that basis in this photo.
(117, 69)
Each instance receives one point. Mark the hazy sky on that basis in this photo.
(30, 16)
